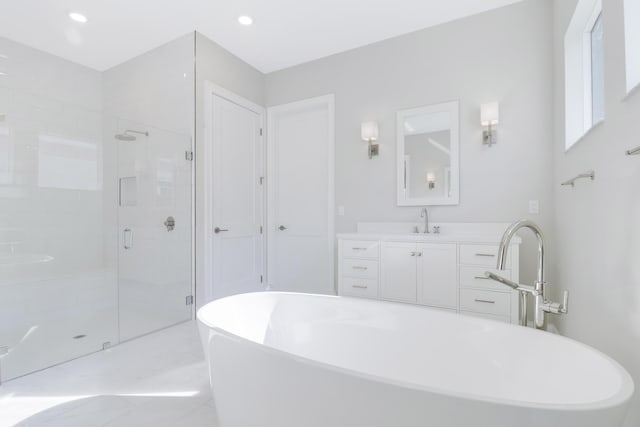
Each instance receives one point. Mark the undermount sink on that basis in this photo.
(446, 229)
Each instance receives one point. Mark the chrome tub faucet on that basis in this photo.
(542, 304)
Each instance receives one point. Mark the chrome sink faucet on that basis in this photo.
(424, 213)
(542, 304)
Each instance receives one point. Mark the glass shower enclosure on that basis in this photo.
(95, 202)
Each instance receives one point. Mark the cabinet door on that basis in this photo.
(437, 275)
(399, 272)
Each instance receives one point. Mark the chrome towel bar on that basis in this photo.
(572, 182)
(633, 152)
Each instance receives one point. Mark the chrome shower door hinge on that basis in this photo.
(189, 299)
(188, 155)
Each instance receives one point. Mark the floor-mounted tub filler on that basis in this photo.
(292, 360)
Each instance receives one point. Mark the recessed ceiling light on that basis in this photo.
(78, 17)
(245, 20)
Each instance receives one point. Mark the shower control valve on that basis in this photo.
(170, 223)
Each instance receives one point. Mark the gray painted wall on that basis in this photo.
(597, 226)
(501, 55)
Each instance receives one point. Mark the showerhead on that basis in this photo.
(126, 135)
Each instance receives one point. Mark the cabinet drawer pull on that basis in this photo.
(360, 286)
(357, 267)
(485, 301)
(359, 249)
(481, 278)
(486, 255)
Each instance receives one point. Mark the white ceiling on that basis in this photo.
(285, 32)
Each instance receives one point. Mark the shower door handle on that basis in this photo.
(127, 238)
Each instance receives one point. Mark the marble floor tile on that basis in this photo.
(156, 380)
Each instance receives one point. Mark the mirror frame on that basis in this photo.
(452, 108)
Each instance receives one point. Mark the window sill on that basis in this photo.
(585, 135)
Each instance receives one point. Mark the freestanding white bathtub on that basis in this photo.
(295, 360)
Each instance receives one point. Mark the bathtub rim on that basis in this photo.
(623, 396)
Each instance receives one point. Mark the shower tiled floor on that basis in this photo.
(157, 380)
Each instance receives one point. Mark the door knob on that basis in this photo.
(170, 223)
(282, 228)
(219, 230)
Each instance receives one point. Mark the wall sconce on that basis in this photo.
(431, 180)
(489, 117)
(370, 134)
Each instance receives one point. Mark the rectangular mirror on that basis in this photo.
(428, 155)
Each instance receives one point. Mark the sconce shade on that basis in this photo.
(490, 114)
(431, 180)
(369, 131)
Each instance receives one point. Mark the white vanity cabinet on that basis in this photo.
(359, 268)
(419, 273)
(484, 297)
(446, 272)
(399, 272)
(438, 275)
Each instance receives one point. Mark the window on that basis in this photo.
(597, 71)
(584, 71)
(632, 42)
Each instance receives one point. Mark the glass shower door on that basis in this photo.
(154, 221)
(58, 293)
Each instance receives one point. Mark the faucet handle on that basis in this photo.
(565, 302)
(557, 308)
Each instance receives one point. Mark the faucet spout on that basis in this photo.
(503, 250)
(424, 213)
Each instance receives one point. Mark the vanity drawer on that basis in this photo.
(361, 249)
(473, 277)
(486, 255)
(487, 302)
(367, 288)
(360, 268)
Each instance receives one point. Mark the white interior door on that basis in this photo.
(237, 255)
(301, 196)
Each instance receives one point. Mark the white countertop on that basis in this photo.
(479, 233)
